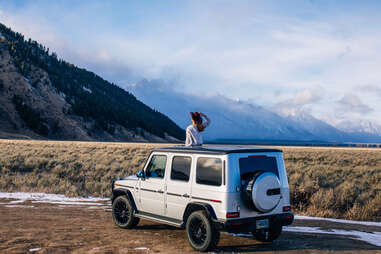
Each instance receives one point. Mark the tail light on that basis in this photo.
(286, 208)
(232, 215)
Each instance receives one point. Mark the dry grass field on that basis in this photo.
(326, 182)
(335, 182)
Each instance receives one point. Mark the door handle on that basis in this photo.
(160, 191)
(185, 195)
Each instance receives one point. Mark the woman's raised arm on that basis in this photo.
(207, 120)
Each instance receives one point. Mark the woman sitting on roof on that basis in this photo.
(193, 132)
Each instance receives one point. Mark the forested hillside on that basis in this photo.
(55, 99)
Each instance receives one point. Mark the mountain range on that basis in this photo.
(240, 120)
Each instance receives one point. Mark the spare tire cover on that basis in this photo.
(265, 191)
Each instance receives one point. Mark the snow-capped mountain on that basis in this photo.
(239, 120)
(359, 127)
(318, 128)
(231, 119)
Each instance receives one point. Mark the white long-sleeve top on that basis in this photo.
(194, 136)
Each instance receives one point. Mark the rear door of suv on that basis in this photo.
(209, 182)
(178, 185)
(244, 165)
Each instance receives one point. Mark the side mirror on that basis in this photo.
(140, 174)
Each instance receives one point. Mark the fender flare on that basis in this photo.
(120, 192)
(196, 206)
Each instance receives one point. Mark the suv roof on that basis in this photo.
(215, 149)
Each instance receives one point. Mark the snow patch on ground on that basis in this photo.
(373, 238)
(19, 206)
(59, 202)
(21, 197)
(16, 201)
(34, 249)
(141, 248)
(365, 223)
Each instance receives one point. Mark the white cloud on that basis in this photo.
(372, 89)
(249, 50)
(299, 102)
(308, 96)
(351, 103)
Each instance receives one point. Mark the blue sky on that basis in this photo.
(322, 57)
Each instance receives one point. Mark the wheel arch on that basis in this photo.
(197, 206)
(123, 192)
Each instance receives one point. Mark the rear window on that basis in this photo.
(251, 164)
(209, 171)
(181, 168)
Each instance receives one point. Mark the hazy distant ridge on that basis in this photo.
(233, 119)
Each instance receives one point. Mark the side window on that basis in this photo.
(209, 171)
(181, 168)
(156, 167)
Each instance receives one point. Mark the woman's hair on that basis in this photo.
(200, 127)
(196, 117)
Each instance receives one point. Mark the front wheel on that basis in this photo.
(268, 235)
(123, 213)
(201, 233)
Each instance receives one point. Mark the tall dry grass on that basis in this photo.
(70, 168)
(340, 183)
(335, 182)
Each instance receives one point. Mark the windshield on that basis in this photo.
(254, 163)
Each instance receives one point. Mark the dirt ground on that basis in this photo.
(52, 228)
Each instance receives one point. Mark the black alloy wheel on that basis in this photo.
(123, 213)
(201, 233)
(197, 231)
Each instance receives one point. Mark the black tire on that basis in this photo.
(202, 235)
(268, 235)
(216, 238)
(247, 188)
(123, 213)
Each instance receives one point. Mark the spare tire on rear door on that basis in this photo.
(261, 192)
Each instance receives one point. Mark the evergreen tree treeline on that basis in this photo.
(90, 96)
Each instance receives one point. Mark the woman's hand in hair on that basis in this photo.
(207, 120)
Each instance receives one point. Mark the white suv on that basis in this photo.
(208, 189)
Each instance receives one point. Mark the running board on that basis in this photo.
(158, 218)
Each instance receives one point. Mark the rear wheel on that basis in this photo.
(123, 213)
(201, 232)
(268, 235)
